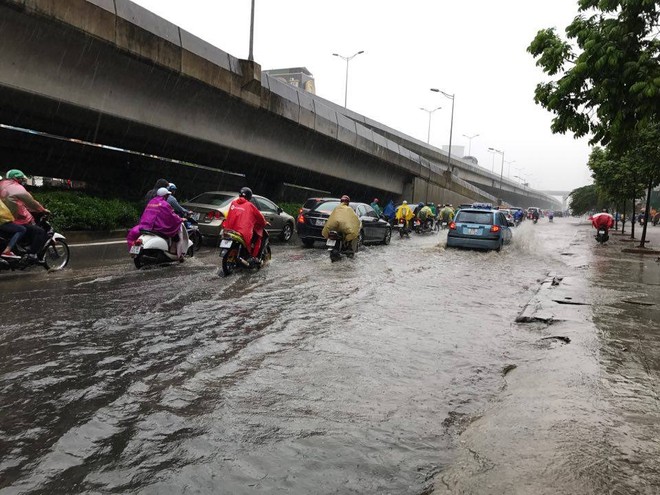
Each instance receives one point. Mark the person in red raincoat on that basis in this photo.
(602, 220)
(247, 220)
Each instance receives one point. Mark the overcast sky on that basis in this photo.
(473, 48)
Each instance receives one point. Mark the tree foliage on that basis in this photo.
(585, 199)
(607, 76)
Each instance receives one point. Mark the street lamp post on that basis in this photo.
(501, 169)
(348, 59)
(451, 126)
(251, 55)
(508, 168)
(430, 112)
(470, 138)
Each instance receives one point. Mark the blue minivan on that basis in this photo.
(479, 227)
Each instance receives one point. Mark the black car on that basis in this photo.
(310, 223)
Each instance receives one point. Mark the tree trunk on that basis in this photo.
(623, 219)
(646, 214)
(616, 217)
(632, 225)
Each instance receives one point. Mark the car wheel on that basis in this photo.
(499, 248)
(388, 236)
(308, 242)
(287, 232)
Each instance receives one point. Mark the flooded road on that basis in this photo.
(376, 375)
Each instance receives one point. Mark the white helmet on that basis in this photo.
(405, 202)
(162, 191)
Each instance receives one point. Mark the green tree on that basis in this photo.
(585, 199)
(644, 157)
(608, 76)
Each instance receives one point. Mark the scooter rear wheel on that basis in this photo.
(229, 261)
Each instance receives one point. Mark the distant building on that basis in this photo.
(299, 77)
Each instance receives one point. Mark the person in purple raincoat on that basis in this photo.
(159, 216)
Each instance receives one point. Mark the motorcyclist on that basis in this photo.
(344, 220)
(551, 215)
(159, 217)
(434, 210)
(425, 214)
(376, 206)
(178, 209)
(602, 220)
(447, 214)
(535, 215)
(518, 216)
(22, 205)
(389, 211)
(419, 206)
(247, 220)
(152, 193)
(10, 228)
(404, 212)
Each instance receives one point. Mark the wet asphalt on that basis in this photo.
(401, 371)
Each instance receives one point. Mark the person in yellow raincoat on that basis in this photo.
(404, 211)
(344, 220)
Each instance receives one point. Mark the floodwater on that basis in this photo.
(397, 372)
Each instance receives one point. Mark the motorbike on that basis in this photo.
(404, 228)
(422, 227)
(194, 234)
(602, 236)
(152, 248)
(338, 246)
(235, 252)
(54, 255)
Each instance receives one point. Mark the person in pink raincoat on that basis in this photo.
(159, 216)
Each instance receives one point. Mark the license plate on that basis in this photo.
(320, 222)
(225, 243)
(331, 242)
(135, 249)
(473, 231)
(195, 216)
(601, 232)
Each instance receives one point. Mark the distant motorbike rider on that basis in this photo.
(434, 210)
(152, 193)
(447, 214)
(159, 217)
(425, 215)
(389, 211)
(535, 215)
(344, 220)
(178, 209)
(247, 220)
(22, 205)
(518, 216)
(602, 220)
(404, 212)
(376, 206)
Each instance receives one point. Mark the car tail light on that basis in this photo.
(208, 216)
(495, 228)
(301, 219)
(452, 226)
(218, 215)
(138, 242)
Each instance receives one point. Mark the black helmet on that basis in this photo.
(246, 193)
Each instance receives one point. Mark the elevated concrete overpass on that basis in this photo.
(108, 71)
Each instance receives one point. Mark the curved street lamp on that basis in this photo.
(430, 112)
(501, 169)
(348, 59)
(251, 55)
(451, 126)
(470, 138)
